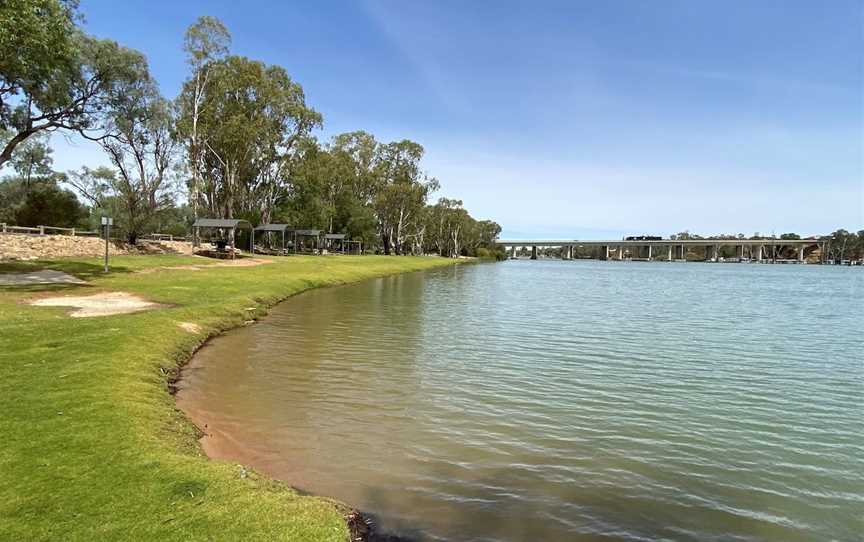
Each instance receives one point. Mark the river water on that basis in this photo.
(548, 400)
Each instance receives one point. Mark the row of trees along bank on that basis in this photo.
(238, 142)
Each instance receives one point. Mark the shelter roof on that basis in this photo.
(231, 223)
(273, 227)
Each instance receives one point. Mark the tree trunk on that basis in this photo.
(456, 242)
(229, 197)
(194, 150)
(385, 240)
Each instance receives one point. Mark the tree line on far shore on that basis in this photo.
(839, 245)
(238, 142)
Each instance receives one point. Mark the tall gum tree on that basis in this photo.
(205, 42)
(403, 192)
(142, 151)
(252, 118)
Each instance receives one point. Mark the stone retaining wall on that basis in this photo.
(15, 246)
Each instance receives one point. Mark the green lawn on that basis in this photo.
(92, 446)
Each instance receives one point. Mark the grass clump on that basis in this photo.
(93, 446)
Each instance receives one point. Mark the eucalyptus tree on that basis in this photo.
(838, 243)
(453, 221)
(32, 158)
(32, 194)
(452, 231)
(403, 192)
(304, 205)
(53, 76)
(251, 121)
(205, 43)
(359, 155)
(483, 234)
(417, 236)
(859, 245)
(350, 180)
(142, 152)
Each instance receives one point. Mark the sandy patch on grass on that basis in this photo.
(244, 262)
(189, 326)
(240, 262)
(44, 276)
(105, 304)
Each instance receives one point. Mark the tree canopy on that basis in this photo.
(55, 77)
(245, 129)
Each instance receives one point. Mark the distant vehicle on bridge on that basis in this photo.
(643, 238)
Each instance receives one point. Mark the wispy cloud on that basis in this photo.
(762, 80)
(407, 41)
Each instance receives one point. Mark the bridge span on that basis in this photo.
(758, 250)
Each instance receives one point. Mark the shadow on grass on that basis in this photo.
(82, 270)
(36, 288)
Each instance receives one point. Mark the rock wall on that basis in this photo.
(14, 246)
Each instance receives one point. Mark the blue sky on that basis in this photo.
(570, 119)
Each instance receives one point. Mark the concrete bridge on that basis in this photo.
(670, 249)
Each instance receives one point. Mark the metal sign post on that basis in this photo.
(106, 226)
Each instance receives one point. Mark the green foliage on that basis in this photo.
(497, 253)
(39, 201)
(55, 77)
(245, 129)
(46, 203)
(845, 245)
(252, 117)
(38, 51)
(141, 149)
(33, 157)
(205, 41)
(451, 231)
(173, 220)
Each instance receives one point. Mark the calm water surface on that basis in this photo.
(560, 400)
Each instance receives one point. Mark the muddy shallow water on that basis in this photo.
(558, 400)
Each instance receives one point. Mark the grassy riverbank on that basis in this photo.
(93, 447)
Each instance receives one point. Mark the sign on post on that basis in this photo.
(107, 222)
